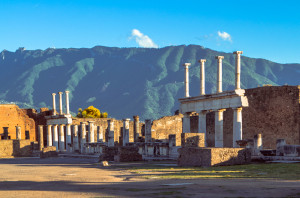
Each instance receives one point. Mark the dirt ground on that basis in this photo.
(75, 177)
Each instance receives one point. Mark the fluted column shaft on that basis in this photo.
(75, 137)
(238, 69)
(219, 128)
(61, 138)
(237, 126)
(54, 104)
(60, 103)
(67, 102)
(202, 124)
(91, 133)
(125, 131)
(69, 137)
(186, 82)
(219, 75)
(18, 133)
(49, 135)
(55, 136)
(202, 76)
(83, 136)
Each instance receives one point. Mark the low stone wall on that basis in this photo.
(193, 140)
(15, 148)
(128, 154)
(193, 156)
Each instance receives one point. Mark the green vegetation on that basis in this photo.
(128, 81)
(91, 112)
(258, 171)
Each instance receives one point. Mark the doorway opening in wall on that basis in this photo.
(27, 137)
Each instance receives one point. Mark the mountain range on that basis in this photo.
(126, 81)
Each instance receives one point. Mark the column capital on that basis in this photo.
(67, 92)
(53, 94)
(203, 112)
(60, 93)
(186, 64)
(219, 57)
(220, 110)
(91, 121)
(126, 119)
(238, 108)
(202, 60)
(50, 124)
(238, 52)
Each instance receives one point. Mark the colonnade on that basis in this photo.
(61, 103)
(237, 111)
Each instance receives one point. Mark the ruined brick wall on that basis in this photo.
(10, 116)
(165, 126)
(15, 148)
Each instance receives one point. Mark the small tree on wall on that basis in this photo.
(91, 112)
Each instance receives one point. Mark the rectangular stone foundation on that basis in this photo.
(193, 156)
(193, 140)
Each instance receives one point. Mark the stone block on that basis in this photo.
(15, 148)
(193, 156)
(108, 154)
(128, 154)
(193, 140)
(48, 152)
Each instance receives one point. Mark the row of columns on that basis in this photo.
(60, 103)
(219, 74)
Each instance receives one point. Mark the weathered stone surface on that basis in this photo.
(108, 154)
(48, 152)
(128, 154)
(193, 156)
(15, 148)
(193, 140)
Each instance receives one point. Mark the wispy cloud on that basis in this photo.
(142, 40)
(225, 36)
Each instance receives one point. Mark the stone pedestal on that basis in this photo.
(75, 138)
(192, 140)
(111, 133)
(83, 136)
(18, 133)
(219, 128)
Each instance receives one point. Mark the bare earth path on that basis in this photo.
(75, 177)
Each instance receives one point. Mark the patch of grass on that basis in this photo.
(263, 171)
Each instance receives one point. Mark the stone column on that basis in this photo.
(219, 128)
(100, 134)
(219, 76)
(61, 133)
(238, 69)
(202, 76)
(136, 126)
(111, 133)
(237, 126)
(41, 137)
(202, 124)
(67, 103)
(54, 104)
(75, 138)
(49, 135)
(18, 133)
(186, 82)
(125, 131)
(186, 123)
(55, 136)
(280, 147)
(257, 141)
(83, 136)
(148, 125)
(69, 137)
(91, 133)
(60, 103)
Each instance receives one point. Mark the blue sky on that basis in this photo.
(262, 29)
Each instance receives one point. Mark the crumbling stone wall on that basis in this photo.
(165, 126)
(15, 148)
(10, 116)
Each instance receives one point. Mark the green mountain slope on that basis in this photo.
(126, 81)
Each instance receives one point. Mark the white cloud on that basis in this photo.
(142, 40)
(225, 36)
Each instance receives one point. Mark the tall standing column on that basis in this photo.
(238, 69)
(186, 82)
(83, 136)
(67, 102)
(136, 126)
(49, 135)
(75, 138)
(60, 103)
(237, 126)
(91, 132)
(100, 134)
(148, 136)
(18, 133)
(219, 128)
(55, 136)
(111, 133)
(125, 131)
(54, 104)
(219, 75)
(41, 137)
(202, 124)
(186, 123)
(61, 139)
(202, 76)
(68, 138)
